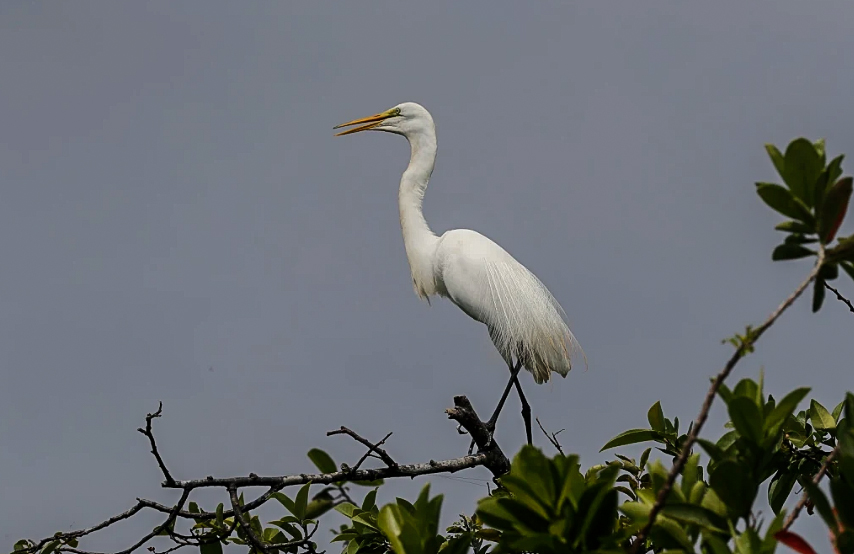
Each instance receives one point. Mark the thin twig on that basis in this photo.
(148, 433)
(840, 297)
(210, 515)
(691, 438)
(244, 523)
(805, 498)
(89, 530)
(552, 437)
(167, 525)
(371, 446)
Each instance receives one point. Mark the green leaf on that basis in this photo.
(776, 158)
(301, 501)
(790, 252)
(747, 418)
(644, 457)
(828, 272)
(820, 502)
(733, 484)
(322, 460)
(715, 452)
(837, 411)
(715, 544)
(849, 268)
(802, 166)
(843, 498)
(690, 474)
(213, 547)
(784, 409)
(366, 520)
(782, 201)
(818, 294)
(690, 513)
(285, 501)
(655, 416)
(219, 515)
(794, 227)
(632, 436)
(50, 547)
(370, 500)
(346, 508)
(820, 146)
(193, 508)
(820, 417)
(779, 490)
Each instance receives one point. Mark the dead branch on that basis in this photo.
(490, 456)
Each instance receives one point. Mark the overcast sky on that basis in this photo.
(178, 223)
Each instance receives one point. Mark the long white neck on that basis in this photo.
(419, 240)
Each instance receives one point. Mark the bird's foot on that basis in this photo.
(490, 426)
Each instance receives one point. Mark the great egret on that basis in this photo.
(524, 320)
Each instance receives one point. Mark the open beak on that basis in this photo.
(366, 123)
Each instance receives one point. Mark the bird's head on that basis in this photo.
(407, 119)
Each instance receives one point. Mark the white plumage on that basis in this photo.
(525, 322)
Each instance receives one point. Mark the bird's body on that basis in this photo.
(525, 322)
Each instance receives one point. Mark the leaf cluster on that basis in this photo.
(815, 197)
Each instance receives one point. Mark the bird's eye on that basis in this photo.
(397, 111)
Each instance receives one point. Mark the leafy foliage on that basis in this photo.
(815, 199)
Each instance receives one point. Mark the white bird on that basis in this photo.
(524, 320)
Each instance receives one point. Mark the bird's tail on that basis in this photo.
(528, 323)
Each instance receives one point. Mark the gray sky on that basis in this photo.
(179, 224)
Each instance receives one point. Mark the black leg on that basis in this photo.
(526, 410)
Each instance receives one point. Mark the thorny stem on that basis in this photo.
(691, 438)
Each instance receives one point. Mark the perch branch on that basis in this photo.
(489, 456)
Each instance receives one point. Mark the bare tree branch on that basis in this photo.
(383, 455)
(489, 456)
(805, 498)
(840, 297)
(552, 437)
(691, 438)
(148, 433)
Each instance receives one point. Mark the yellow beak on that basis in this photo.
(366, 122)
